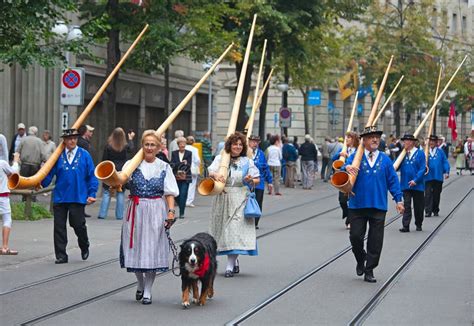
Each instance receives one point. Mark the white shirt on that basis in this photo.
(196, 161)
(412, 152)
(433, 151)
(5, 170)
(18, 141)
(3, 148)
(350, 150)
(466, 148)
(70, 158)
(374, 157)
(274, 155)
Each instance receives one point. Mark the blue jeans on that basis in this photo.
(119, 208)
(183, 187)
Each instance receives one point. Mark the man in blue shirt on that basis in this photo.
(412, 172)
(438, 170)
(368, 204)
(76, 187)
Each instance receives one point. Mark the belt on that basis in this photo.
(4, 194)
(131, 213)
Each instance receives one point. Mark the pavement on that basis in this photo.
(97, 291)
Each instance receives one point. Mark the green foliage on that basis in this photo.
(25, 32)
(38, 212)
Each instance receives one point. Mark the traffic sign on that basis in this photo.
(72, 86)
(314, 98)
(285, 117)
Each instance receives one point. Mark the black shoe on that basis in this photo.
(61, 261)
(360, 269)
(403, 230)
(256, 227)
(369, 277)
(236, 269)
(146, 300)
(85, 254)
(86, 215)
(229, 274)
(435, 214)
(138, 295)
(428, 215)
(418, 228)
(181, 216)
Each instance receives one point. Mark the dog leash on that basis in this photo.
(174, 251)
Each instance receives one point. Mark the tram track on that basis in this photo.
(115, 260)
(254, 310)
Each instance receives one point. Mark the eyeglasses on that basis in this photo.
(150, 145)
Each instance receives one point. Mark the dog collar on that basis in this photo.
(204, 267)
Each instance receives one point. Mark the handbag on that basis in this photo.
(252, 209)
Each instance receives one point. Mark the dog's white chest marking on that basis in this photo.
(192, 260)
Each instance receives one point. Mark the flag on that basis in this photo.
(347, 84)
(452, 121)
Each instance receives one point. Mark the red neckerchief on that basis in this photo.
(204, 267)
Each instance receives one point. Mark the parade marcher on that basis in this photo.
(438, 170)
(412, 172)
(290, 155)
(469, 154)
(21, 133)
(369, 202)
(173, 146)
(309, 155)
(117, 149)
(195, 170)
(181, 160)
(84, 140)
(3, 148)
(235, 234)
(274, 156)
(352, 142)
(48, 145)
(76, 187)
(144, 246)
(458, 154)
(265, 175)
(5, 210)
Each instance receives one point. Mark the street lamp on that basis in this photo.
(283, 88)
(206, 66)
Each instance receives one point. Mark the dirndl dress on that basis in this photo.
(234, 233)
(144, 244)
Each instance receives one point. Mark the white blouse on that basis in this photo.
(253, 170)
(151, 170)
(6, 170)
(274, 156)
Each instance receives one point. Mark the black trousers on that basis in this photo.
(376, 220)
(343, 199)
(433, 190)
(259, 196)
(324, 165)
(418, 206)
(77, 221)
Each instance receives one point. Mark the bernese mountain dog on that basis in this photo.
(197, 262)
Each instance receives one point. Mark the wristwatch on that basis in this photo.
(171, 211)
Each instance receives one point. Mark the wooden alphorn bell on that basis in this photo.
(106, 171)
(15, 181)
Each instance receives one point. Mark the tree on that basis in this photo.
(25, 32)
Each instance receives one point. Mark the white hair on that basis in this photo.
(32, 130)
(178, 133)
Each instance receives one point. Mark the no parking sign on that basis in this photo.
(72, 87)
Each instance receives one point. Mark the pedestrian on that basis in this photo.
(195, 170)
(163, 153)
(144, 248)
(21, 133)
(412, 172)
(299, 169)
(31, 155)
(76, 187)
(173, 146)
(438, 170)
(369, 202)
(469, 154)
(181, 160)
(205, 140)
(309, 155)
(274, 157)
(460, 157)
(3, 148)
(84, 140)
(265, 175)
(48, 145)
(5, 210)
(290, 155)
(443, 146)
(325, 157)
(117, 150)
(235, 234)
(352, 142)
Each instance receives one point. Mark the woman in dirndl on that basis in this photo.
(235, 234)
(150, 211)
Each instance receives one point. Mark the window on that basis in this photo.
(454, 24)
(463, 24)
(434, 18)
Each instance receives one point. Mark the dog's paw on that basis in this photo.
(194, 300)
(185, 304)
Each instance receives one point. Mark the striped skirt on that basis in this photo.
(146, 248)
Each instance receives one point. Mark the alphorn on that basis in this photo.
(336, 165)
(249, 126)
(15, 181)
(209, 186)
(400, 157)
(433, 117)
(342, 180)
(106, 171)
(387, 101)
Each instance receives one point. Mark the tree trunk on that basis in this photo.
(169, 131)
(304, 92)
(243, 117)
(397, 106)
(285, 94)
